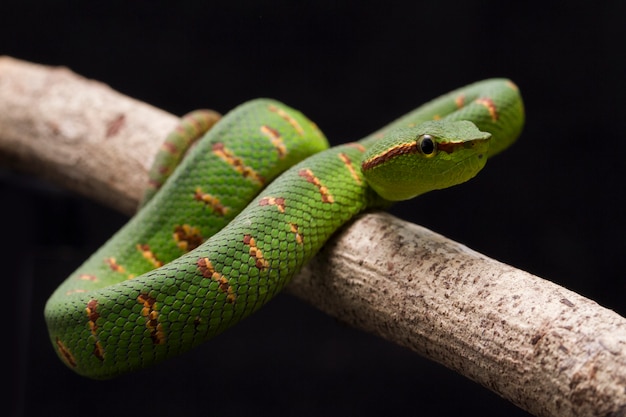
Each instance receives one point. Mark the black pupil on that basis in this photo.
(427, 145)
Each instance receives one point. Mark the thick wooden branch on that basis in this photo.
(77, 132)
(546, 349)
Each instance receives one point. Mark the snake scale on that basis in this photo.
(252, 201)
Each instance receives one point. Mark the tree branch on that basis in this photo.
(548, 350)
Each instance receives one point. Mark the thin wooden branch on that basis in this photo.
(548, 350)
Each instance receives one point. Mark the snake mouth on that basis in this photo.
(451, 147)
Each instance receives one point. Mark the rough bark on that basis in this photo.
(78, 133)
(547, 349)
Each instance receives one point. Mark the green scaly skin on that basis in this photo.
(191, 128)
(117, 313)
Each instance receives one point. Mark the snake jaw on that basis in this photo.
(451, 147)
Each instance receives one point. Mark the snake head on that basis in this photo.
(407, 162)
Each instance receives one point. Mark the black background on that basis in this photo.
(551, 205)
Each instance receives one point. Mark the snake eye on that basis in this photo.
(427, 145)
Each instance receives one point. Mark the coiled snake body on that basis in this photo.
(229, 229)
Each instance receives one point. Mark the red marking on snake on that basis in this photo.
(256, 253)
(308, 175)
(285, 116)
(75, 291)
(490, 106)
(200, 121)
(197, 120)
(459, 101)
(279, 202)
(401, 149)
(180, 129)
(115, 125)
(187, 237)
(88, 277)
(92, 313)
(169, 147)
(208, 271)
(346, 160)
(358, 146)
(294, 229)
(197, 321)
(66, 355)
(151, 314)
(237, 163)
(149, 255)
(115, 267)
(277, 141)
(512, 85)
(156, 184)
(210, 201)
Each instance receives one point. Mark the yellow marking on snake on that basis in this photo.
(237, 163)
(459, 101)
(93, 315)
(170, 147)
(112, 263)
(151, 313)
(149, 255)
(279, 202)
(308, 175)
(357, 146)
(187, 237)
(277, 141)
(490, 106)
(294, 229)
(75, 291)
(512, 85)
(66, 355)
(293, 122)
(88, 277)
(346, 160)
(210, 201)
(256, 253)
(115, 267)
(208, 271)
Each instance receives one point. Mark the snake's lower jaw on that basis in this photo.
(448, 174)
(469, 169)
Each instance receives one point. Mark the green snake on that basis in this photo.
(252, 201)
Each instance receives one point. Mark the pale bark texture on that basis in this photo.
(547, 349)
